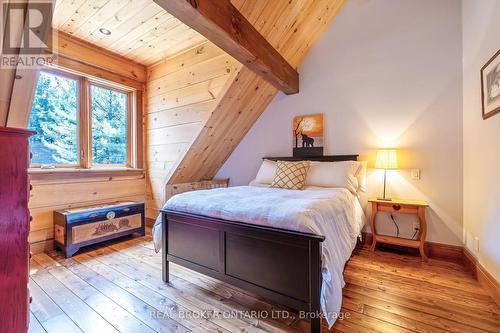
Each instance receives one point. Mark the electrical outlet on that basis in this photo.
(416, 225)
(476, 244)
(415, 174)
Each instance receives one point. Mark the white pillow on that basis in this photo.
(334, 174)
(361, 176)
(266, 172)
(256, 184)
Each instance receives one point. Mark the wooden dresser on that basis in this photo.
(14, 229)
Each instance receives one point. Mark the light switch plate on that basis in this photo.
(415, 174)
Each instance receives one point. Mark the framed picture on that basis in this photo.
(490, 86)
(308, 135)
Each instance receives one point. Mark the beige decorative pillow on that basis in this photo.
(291, 175)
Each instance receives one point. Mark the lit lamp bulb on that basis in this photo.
(386, 159)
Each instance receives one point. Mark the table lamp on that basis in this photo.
(386, 159)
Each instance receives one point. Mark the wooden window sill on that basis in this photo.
(39, 173)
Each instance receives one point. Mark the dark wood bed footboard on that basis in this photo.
(281, 265)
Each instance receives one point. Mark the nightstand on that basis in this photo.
(412, 207)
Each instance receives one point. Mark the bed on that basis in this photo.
(256, 238)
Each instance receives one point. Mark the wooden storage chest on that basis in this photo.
(78, 227)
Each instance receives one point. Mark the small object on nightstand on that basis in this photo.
(413, 207)
(415, 174)
(386, 159)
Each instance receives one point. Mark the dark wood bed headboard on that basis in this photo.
(327, 158)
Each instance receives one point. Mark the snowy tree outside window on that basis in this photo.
(55, 117)
(109, 126)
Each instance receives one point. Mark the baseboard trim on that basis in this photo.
(485, 279)
(42, 246)
(457, 254)
(433, 250)
(150, 222)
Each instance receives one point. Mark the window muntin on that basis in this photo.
(54, 117)
(100, 140)
(109, 112)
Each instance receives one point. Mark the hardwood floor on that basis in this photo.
(118, 288)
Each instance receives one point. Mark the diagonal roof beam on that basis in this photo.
(221, 23)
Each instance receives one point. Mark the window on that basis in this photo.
(81, 122)
(54, 116)
(109, 126)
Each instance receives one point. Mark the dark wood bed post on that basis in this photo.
(316, 279)
(164, 247)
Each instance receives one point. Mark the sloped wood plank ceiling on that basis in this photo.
(201, 103)
(292, 27)
(140, 29)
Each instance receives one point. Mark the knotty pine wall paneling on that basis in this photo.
(59, 190)
(182, 92)
(54, 193)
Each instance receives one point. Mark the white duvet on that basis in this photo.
(332, 212)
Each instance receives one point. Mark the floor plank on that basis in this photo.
(34, 325)
(104, 306)
(196, 285)
(190, 293)
(118, 286)
(80, 313)
(49, 314)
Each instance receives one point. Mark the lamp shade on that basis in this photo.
(387, 159)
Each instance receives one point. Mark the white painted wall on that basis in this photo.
(385, 74)
(481, 39)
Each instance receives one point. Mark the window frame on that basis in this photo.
(130, 130)
(78, 121)
(84, 122)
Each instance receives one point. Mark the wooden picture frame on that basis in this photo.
(308, 135)
(490, 86)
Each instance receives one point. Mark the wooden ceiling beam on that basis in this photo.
(221, 23)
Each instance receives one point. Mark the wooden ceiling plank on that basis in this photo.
(65, 9)
(193, 38)
(287, 23)
(270, 17)
(298, 50)
(129, 12)
(166, 29)
(225, 26)
(109, 11)
(196, 55)
(80, 16)
(253, 8)
(134, 28)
